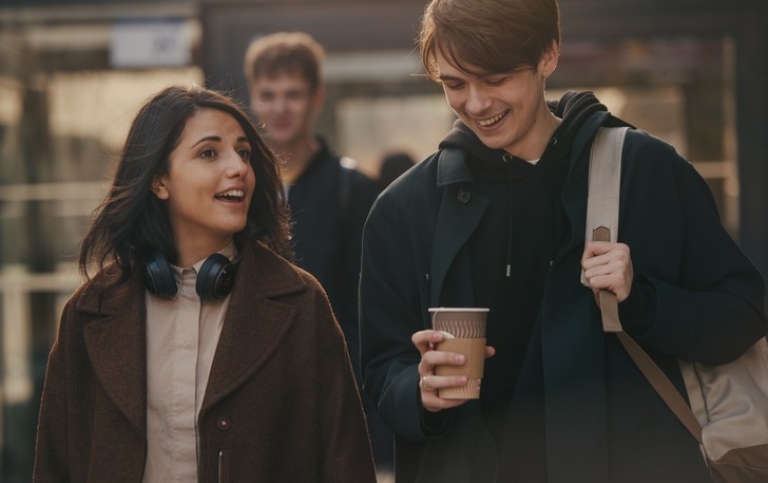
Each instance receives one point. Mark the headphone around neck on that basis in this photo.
(214, 280)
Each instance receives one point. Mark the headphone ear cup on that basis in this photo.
(216, 277)
(158, 276)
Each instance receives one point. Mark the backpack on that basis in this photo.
(728, 412)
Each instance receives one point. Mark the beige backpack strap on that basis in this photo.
(603, 225)
(603, 206)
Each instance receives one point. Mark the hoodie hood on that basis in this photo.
(574, 108)
(496, 167)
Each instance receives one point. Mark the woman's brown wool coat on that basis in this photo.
(281, 403)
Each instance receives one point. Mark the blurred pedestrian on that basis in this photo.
(393, 164)
(197, 352)
(329, 199)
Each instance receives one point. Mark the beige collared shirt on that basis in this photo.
(182, 334)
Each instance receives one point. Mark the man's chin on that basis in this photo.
(491, 142)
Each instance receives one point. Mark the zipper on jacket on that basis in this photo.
(222, 469)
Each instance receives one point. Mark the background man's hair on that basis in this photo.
(293, 53)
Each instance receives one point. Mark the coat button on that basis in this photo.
(222, 422)
(464, 196)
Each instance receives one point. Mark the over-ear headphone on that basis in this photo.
(214, 280)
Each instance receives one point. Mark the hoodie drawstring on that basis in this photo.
(508, 263)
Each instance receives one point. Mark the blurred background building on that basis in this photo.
(74, 72)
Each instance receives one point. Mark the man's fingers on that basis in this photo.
(425, 340)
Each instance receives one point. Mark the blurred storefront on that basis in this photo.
(73, 73)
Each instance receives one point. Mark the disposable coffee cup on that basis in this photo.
(464, 332)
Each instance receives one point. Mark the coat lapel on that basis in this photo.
(255, 323)
(460, 212)
(116, 346)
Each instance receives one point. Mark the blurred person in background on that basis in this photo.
(328, 200)
(393, 164)
(495, 218)
(198, 352)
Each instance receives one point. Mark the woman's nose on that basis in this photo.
(236, 165)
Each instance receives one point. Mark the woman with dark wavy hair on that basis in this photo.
(197, 351)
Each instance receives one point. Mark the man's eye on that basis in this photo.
(496, 81)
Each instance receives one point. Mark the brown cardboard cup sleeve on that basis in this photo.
(474, 350)
(464, 329)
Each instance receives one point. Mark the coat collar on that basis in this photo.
(116, 345)
(255, 323)
(452, 167)
(461, 209)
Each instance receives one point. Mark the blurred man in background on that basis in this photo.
(329, 199)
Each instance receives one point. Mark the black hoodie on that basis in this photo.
(520, 234)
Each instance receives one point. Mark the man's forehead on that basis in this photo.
(453, 67)
(282, 82)
(285, 78)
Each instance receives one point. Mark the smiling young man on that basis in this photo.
(495, 218)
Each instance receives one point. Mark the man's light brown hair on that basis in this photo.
(481, 37)
(293, 53)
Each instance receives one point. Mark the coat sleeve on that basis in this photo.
(392, 289)
(51, 462)
(707, 296)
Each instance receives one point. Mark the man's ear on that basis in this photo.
(548, 62)
(159, 187)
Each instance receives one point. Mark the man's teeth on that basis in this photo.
(494, 119)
